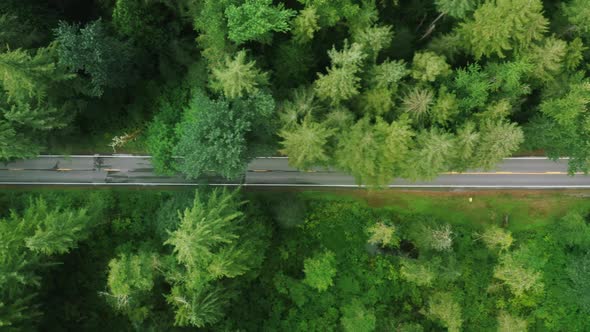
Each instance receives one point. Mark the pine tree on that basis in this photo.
(305, 25)
(498, 140)
(306, 143)
(341, 81)
(578, 14)
(238, 78)
(374, 154)
(428, 66)
(14, 145)
(504, 25)
(255, 20)
(25, 77)
(432, 155)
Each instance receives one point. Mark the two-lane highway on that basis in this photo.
(130, 170)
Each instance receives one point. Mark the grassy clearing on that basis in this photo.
(526, 209)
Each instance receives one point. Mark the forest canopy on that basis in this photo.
(379, 89)
(219, 260)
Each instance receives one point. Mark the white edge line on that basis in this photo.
(147, 156)
(297, 185)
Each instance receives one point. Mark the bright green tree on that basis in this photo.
(428, 66)
(417, 103)
(320, 270)
(29, 242)
(445, 309)
(456, 8)
(341, 82)
(498, 140)
(417, 272)
(25, 77)
(373, 39)
(504, 25)
(213, 242)
(374, 154)
(570, 125)
(305, 25)
(496, 238)
(433, 154)
(511, 323)
(306, 143)
(130, 281)
(330, 12)
(256, 19)
(237, 78)
(520, 279)
(383, 234)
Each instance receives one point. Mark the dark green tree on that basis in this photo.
(94, 52)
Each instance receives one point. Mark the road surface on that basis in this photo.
(130, 170)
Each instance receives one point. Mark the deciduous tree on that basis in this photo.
(320, 270)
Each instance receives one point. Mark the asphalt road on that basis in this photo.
(128, 170)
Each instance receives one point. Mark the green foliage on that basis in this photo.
(504, 25)
(255, 19)
(25, 77)
(305, 144)
(509, 323)
(432, 155)
(578, 14)
(130, 280)
(320, 270)
(442, 307)
(456, 8)
(520, 279)
(427, 66)
(92, 50)
(29, 240)
(374, 154)
(496, 238)
(417, 272)
(373, 39)
(357, 318)
(472, 87)
(330, 12)
(498, 140)
(383, 235)
(574, 231)
(210, 143)
(569, 125)
(56, 231)
(305, 25)
(417, 103)
(341, 81)
(237, 78)
(14, 145)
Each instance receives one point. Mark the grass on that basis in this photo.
(526, 210)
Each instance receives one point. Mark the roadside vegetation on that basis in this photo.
(276, 261)
(379, 89)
